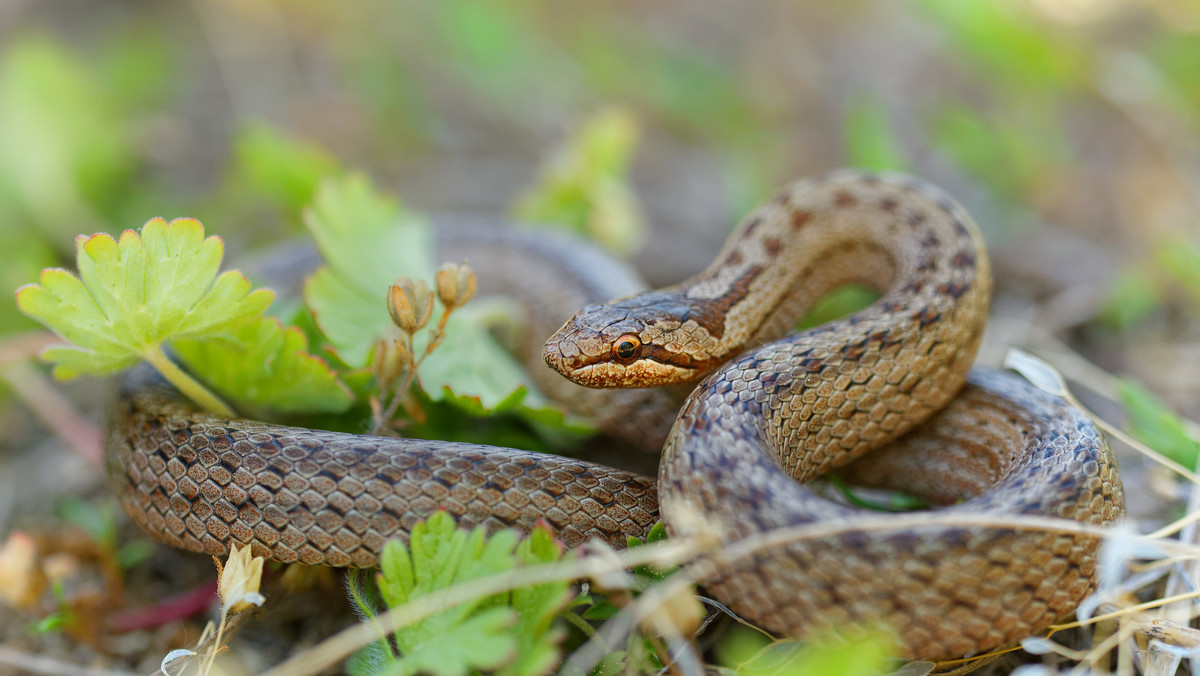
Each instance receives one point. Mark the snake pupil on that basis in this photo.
(626, 348)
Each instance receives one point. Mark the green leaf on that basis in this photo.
(285, 170)
(134, 294)
(586, 188)
(25, 255)
(476, 634)
(1154, 424)
(470, 363)
(482, 641)
(749, 653)
(650, 573)
(537, 606)
(367, 241)
(264, 367)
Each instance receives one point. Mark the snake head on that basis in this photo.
(629, 342)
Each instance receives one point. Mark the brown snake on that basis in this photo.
(773, 409)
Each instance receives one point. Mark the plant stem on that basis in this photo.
(186, 384)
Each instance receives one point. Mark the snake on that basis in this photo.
(887, 396)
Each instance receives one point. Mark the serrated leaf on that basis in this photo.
(134, 294)
(537, 606)
(483, 641)
(264, 367)
(515, 630)
(367, 241)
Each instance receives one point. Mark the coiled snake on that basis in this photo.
(773, 412)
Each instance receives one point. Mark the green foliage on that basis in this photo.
(745, 652)
(896, 501)
(1005, 42)
(1014, 153)
(1154, 424)
(586, 185)
(135, 294)
(26, 255)
(367, 241)
(838, 303)
(63, 149)
(870, 141)
(264, 368)
(284, 170)
(511, 633)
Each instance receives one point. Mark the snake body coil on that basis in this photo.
(774, 411)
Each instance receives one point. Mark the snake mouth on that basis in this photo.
(639, 374)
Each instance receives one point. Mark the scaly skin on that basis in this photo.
(777, 410)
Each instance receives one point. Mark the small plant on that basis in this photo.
(239, 580)
(410, 305)
(510, 633)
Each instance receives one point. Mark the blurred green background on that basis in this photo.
(1070, 128)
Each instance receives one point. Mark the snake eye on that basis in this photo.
(625, 350)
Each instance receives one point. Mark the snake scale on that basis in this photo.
(767, 411)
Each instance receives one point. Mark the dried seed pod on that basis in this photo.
(455, 284)
(410, 304)
(391, 357)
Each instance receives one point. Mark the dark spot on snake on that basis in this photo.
(753, 224)
(799, 218)
(916, 218)
(734, 257)
(844, 199)
(952, 289)
(963, 259)
(915, 287)
(888, 204)
(928, 263)
(773, 247)
(929, 241)
(960, 227)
